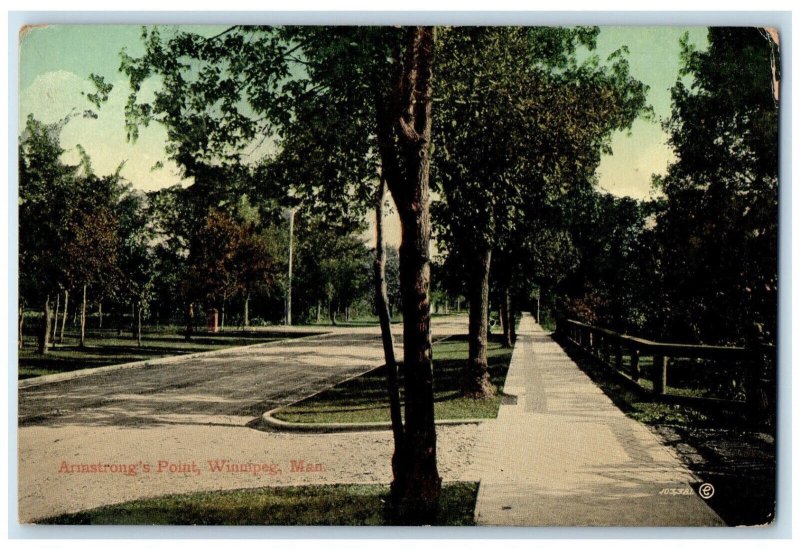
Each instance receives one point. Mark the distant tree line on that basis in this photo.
(93, 246)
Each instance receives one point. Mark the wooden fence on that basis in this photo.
(625, 355)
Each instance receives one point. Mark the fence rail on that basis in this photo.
(757, 363)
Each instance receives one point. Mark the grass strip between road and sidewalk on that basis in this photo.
(364, 398)
(298, 505)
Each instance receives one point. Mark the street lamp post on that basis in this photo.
(291, 250)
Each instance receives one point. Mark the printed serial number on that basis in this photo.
(682, 491)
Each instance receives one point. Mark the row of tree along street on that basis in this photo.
(506, 126)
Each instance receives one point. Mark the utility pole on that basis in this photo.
(291, 250)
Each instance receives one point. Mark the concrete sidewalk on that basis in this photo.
(565, 455)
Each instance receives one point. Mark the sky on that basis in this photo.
(56, 61)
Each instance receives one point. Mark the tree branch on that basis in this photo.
(223, 33)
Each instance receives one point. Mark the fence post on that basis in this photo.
(618, 355)
(759, 392)
(634, 364)
(659, 374)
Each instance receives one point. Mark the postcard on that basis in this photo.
(398, 275)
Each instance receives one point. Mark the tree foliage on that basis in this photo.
(722, 189)
(46, 189)
(521, 121)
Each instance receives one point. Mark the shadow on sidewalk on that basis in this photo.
(720, 447)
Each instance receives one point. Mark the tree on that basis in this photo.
(92, 239)
(214, 269)
(404, 139)
(256, 266)
(168, 211)
(138, 262)
(331, 264)
(91, 253)
(221, 93)
(520, 119)
(613, 272)
(722, 189)
(46, 193)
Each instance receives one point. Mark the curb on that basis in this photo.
(64, 376)
(269, 421)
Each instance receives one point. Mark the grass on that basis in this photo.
(365, 320)
(548, 324)
(108, 349)
(304, 505)
(364, 399)
(693, 377)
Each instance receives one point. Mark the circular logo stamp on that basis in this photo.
(706, 491)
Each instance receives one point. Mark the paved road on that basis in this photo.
(240, 382)
(201, 409)
(565, 455)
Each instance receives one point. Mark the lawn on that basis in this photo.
(108, 349)
(693, 377)
(364, 399)
(305, 505)
(365, 320)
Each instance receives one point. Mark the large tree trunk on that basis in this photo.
(476, 379)
(82, 343)
(64, 318)
(404, 131)
(417, 483)
(382, 310)
(247, 310)
(44, 329)
(100, 315)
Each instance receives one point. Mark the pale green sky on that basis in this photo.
(56, 61)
